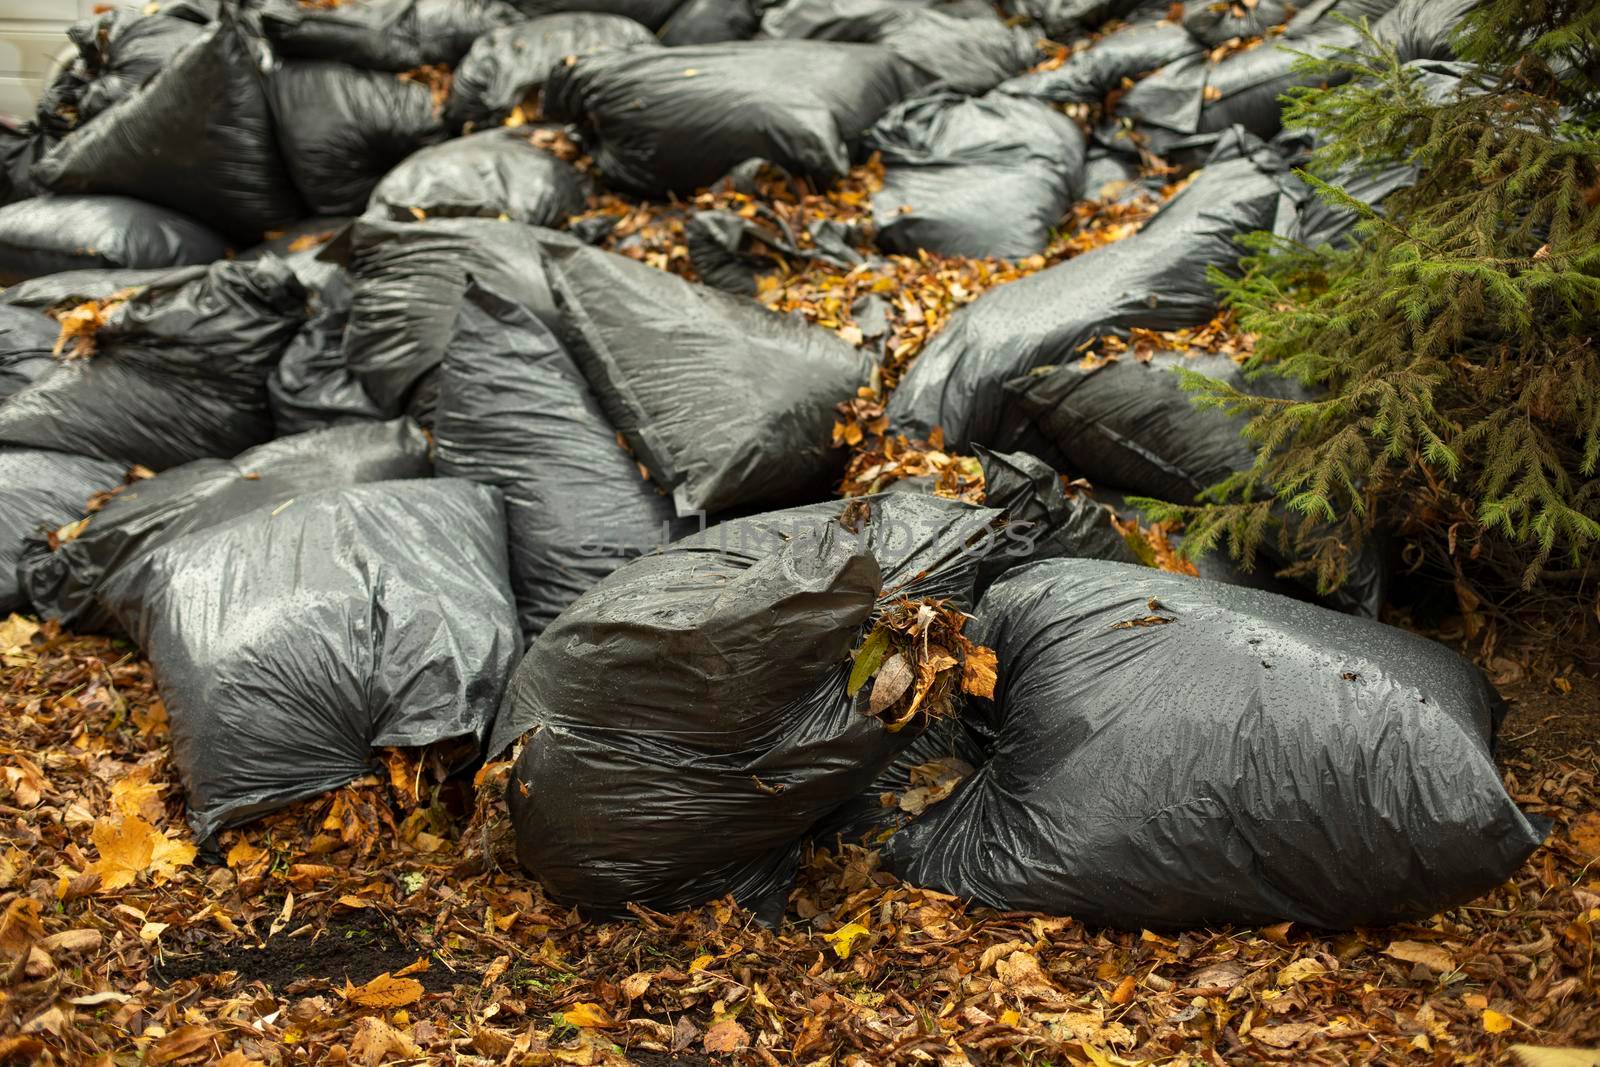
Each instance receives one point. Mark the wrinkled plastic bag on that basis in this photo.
(71, 287)
(687, 720)
(711, 22)
(1086, 76)
(343, 128)
(940, 757)
(409, 279)
(1423, 29)
(27, 344)
(51, 234)
(969, 55)
(1065, 19)
(651, 13)
(123, 49)
(963, 176)
(726, 403)
(64, 583)
(1247, 760)
(1154, 279)
(1215, 22)
(197, 138)
(1129, 423)
(270, 648)
(177, 373)
(516, 413)
(509, 65)
(389, 35)
(731, 251)
(493, 174)
(802, 105)
(39, 491)
(312, 386)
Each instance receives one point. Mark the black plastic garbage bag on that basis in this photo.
(969, 55)
(343, 128)
(40, 491)
(123, 49)
(1423, 29)
(1193, 95)
(72, 287)
(27, 341)
(197, 138)
(800, 104)
(493, 174)
(177, 372)
(1088, 75)
(391, 35)
(515, 412)
(508, 65)
(20, 148)
(1042, 520)
(923, 774)
(1154, 279)
(974, 176)
(730, 251)
(409, 282)
(651, 13)
(1130, 423)
(64, 584)
(726, 403)
(51, 234)
(312, 386)
(687, 720)
(270, 640)
(711, 22)
(1215, 23)
(301, 246)
(1245, 760)
(1065, 19)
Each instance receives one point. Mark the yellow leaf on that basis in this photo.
(244, 854)
(385, 991)
(135, 794)
(588, 1015)
(1300, 971)
(16, 633)
(1494, 1022)
(129, 847)
(978, 672)
(844, 938)
(1010, 1017)
(1538, 1056)
(700, 963)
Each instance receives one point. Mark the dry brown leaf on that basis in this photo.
(1430, 956)
(184, 1041)
(726, 1036)
(129, 847)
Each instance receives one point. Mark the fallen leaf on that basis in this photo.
(1286, 1036)
(385, 991)
(1300, 971)
(979, 672)
(844, 938)
(244, 854)
(1432, 957)
(726, 1036)
(1494, 1022)
(588, 1015)
(894, 678)
(184, 1041)
(130, 846)
(1584, 833)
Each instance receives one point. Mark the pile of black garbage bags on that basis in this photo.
(308, 389)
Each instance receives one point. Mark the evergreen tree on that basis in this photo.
(1453, 344)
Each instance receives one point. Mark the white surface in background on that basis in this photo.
(32, 35)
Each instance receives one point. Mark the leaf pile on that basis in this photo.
(919, 661)
(882, 461)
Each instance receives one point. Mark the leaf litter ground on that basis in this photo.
(345, 932)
